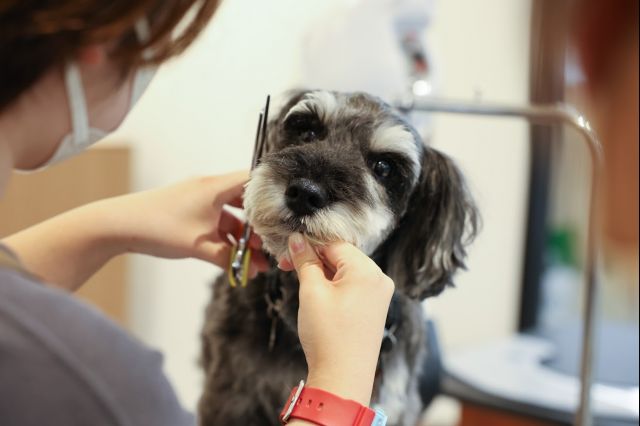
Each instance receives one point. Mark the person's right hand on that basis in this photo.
(344, 299)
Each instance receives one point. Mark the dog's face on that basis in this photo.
(347, 167)
(339, 167)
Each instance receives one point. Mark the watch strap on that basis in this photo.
(326, 409)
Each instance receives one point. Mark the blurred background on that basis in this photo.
(523, 287)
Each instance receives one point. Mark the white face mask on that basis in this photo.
(82, 134)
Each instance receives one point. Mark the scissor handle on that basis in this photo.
(239, 262)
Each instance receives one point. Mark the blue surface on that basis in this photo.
(615, 358)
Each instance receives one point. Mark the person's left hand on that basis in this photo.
(186, 219)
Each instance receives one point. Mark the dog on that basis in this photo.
(337, 167)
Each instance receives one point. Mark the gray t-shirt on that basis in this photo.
(64, 363)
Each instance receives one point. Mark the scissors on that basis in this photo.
(241, 253)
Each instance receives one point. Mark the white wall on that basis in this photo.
(482, 50)
(199, 114)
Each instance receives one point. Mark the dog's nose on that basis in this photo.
(303, 196)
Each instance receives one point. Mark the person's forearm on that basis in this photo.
(69, 248)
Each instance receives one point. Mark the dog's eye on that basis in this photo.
(308, 136)
(304, 127)
(381, 168)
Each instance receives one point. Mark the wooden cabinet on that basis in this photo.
(98, 173)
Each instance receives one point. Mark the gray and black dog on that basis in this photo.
(338, 167)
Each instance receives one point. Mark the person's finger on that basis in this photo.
(229, 224)
(305, 260)
(340, 254)
(216, 253)
(230, 187)
(285, 264)
(255, 242)
(236, 202)
(259, 263)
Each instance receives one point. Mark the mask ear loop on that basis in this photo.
(143, 32)
(145, 74)
(75, 91)
(77, 103)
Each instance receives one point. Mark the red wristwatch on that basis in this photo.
(326, 409)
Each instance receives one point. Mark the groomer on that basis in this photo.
(70, 70)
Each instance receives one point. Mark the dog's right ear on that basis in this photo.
(429, 244)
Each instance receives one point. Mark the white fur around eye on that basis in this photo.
(397, 139)
(322, 102)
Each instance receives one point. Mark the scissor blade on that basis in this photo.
(265, 121)
(256, 145)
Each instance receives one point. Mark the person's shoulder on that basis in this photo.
(73, 365)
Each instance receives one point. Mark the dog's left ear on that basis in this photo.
(429, 244)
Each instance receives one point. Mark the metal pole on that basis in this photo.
(552, 115)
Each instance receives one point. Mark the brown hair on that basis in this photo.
(36, 35)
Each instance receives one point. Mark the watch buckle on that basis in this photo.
(294, 400)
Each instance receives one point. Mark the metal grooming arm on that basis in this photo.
(553, 115)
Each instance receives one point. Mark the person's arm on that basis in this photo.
(67, 249)
(178, 221)
(340, 333)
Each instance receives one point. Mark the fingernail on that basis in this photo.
(296, 243)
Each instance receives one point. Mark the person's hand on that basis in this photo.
(344, 299)
(183, 220)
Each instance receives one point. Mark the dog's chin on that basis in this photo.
(275, 237)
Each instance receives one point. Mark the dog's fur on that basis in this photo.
(380, 188)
